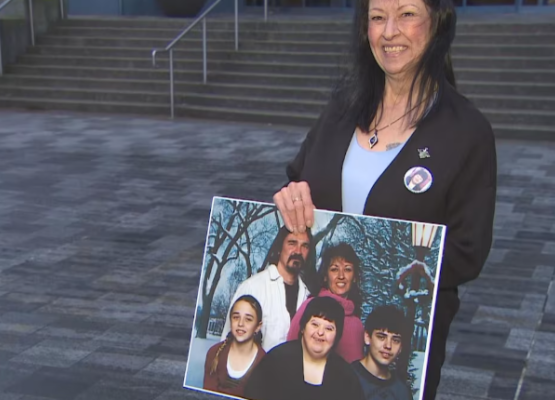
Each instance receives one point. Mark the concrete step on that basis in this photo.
(507, 88)
(537, 38)
(339, 47)
(184, 98)
(514, 62)
(461, 61)
(269, 79)
(330, 70)
(520, 117)
(180, 75)
(483, 101)
(211, 113)
(309, 36)
(524, 132)
(302, 93)
(507, 75)
(262, 67)
(503, 130)
(245, 100)
(282, 24)
(507, 50)
(498, 90)
(134, 43)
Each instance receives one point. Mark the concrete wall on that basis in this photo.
(15, 34)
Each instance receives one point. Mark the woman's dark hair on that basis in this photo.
(362, 89)
(328, 309)
(229, 338)
(345, 252)
(308, 273)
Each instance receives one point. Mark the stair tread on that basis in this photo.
(259, 74)
(545, 128)
(260, 63)
(227, 60)
(165, 81)
(314, 32)
(165, 106)
(165, 93)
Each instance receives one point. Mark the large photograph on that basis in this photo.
(342, 310)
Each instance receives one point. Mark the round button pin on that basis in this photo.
(418, 179)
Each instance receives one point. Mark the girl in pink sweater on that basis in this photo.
(340, 275)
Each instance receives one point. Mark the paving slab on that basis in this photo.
(103, 221)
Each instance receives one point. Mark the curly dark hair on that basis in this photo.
(343, 251)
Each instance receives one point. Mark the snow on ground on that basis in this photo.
(197, 355)
(418, 363)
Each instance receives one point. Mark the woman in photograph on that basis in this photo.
(308, 368)
(418, 180)
(230, 363)
(398, 108)
(340, 278)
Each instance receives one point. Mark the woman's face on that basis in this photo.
(340, 277)
(244, 322)
(398, 33)
(319, 337)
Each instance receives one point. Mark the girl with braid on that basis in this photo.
(230, 363)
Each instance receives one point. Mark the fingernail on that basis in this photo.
(301, 228)
(290, 228)
(308, 223)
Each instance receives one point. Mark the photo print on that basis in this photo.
(342, 310)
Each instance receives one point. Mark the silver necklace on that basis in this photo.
(373, 140)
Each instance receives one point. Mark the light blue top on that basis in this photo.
(361, 170)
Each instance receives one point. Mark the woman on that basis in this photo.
(230, 363)
(418, 180)
(399, 109)
(340, 277)
(307, 368)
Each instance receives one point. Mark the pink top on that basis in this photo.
(351, 344)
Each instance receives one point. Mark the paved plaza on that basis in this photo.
(102, 226)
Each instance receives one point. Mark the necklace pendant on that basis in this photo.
(373, 140)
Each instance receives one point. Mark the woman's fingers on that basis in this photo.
(283, 201)
(296, 207)
(307, 203)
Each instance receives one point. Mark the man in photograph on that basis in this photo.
(387, 334)
(279, 287)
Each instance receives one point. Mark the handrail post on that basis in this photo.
(172, 98)
(32, 22)
(204, 50)
(62, 9)
(265, 10)
(236, 25)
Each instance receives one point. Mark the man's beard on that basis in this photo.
(295, 264)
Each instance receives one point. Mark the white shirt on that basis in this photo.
(268, 288)
(235, 374)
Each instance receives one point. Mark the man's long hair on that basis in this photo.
(308, 272)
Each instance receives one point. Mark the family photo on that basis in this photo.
(342, 310)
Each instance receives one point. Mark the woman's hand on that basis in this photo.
(295, 205)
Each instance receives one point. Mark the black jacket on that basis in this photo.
(463, 163)
(279, 376)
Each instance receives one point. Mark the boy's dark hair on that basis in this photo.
(328, 309)
(389, 318)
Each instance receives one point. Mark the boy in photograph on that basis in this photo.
(386, 333)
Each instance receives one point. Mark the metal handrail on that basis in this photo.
(31, 24)
(169, 47)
